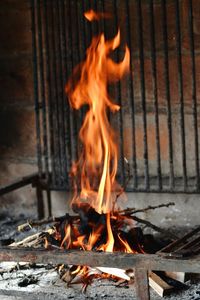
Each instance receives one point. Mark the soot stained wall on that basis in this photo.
(17, 120)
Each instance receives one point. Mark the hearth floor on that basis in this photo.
(49, 286)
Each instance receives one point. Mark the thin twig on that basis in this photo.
(169, 235)
(130, 211)
(34, 223)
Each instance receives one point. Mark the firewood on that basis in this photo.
(28, 240)
(166, 233)
(131, 211)
(115, 272)
(159, 285)
(179, 276)
(37, 223)
(31, 240)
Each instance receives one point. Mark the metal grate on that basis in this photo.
(158, 124)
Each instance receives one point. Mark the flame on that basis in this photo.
(126, 245)
(96, 167)
(91, 15)
(67, 237)
(98, 160)
(108, 247)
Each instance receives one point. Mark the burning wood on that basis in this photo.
(98, 225)
(81, 226)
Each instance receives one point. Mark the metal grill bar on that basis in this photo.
(66, 121)
(131, 97)
(180, 86)
(143, 92)
(194, 95)
(62, 81)
(72, 64)
(154, 74)
(61, 36)
(120, 114)
(49, 91)
(167, 82)
(42, 91)
(36, 88)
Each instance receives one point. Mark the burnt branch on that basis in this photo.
(130, 211)
(167, 234)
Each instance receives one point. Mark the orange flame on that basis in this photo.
(98, 160)
(67, 237)
(91, 15)
(108, 247)
(126, 245)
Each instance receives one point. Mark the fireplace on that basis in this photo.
(157, 126)
(158, 121)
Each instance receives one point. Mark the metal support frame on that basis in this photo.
(39, 184)
(142, 263)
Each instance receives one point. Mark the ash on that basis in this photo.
(25, 281)
(43, 282)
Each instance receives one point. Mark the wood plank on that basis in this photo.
(103, 259)
(179, 276)
(142, 284)
(159, 285)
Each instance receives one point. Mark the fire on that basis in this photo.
(91, 15)
(94, 174)
(98, 160)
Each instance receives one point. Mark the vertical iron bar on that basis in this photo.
(40, 201)
(48, 194)
(180, 86)
(61, 102)
(42, 90)
(81, 23)
(69, 69)
(93, 24)
(56, 100)
(143, 94)
(194, 94)
(34, 4)
(49, 84)
(154, 82)
(122, 171)
(99, 7)
(66, 111)
(73, 59)
(168, 97)
(132, 97)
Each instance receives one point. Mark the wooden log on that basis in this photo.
(179, 276)
(121, 273)
(31, 240)
(103, 259)
(161, 287)
(142, 284)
